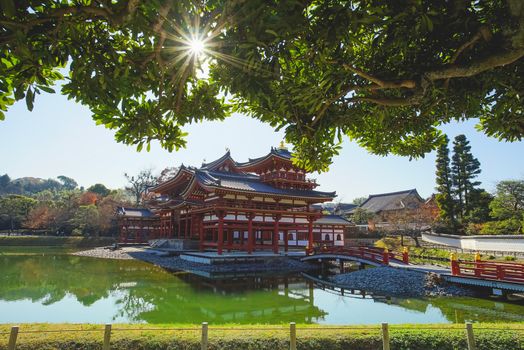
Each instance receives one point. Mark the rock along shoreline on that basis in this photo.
(385, 281)
(390, 281)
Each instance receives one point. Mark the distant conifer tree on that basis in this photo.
(444, 187)
(464, 169)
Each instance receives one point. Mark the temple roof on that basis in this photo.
(333, 220)
(279, 152)
(388, 201)
(225, 159)
(252, 183)
(225, 173)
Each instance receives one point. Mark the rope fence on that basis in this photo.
(384, 329)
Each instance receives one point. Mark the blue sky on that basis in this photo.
(59, 138)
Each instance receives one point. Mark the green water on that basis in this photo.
(43, 285)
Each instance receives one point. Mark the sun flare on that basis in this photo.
(196, 46)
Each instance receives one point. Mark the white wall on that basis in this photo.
(505, 243)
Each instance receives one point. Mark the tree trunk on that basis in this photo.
(417, 243)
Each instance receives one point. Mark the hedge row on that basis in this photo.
(134, 337)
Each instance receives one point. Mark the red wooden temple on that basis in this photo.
(265, 203)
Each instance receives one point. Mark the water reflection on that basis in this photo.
(63, 288)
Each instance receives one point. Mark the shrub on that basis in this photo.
(249, 337)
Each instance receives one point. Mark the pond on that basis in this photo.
(41, 285)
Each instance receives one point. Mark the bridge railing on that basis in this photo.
(378, 255)
(499, 271)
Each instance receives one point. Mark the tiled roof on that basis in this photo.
(280, 152)
(388, 201)
(213, 164)
(332, 220)
(252, 183)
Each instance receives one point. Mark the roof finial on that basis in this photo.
(282, 145)
(227, 149)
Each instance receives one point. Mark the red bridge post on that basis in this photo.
(405, 255)
(455, 268)
(385, 256)
(500, 272)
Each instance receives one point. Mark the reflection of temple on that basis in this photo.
(291, 298)
(265, 203)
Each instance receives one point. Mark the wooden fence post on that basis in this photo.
(471, 337)
(293, 336)
(107, 337)
(385, 336)
(12, 338)
(203, 343)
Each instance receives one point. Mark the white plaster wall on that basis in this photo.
(506, 243)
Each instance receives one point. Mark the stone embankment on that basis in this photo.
(176, 264)
(389, 281)
(106, 253)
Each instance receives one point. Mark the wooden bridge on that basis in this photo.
(504, 276)
(366, 255)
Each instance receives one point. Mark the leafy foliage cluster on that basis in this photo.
(32, 185)
(385, 73)
(58, 207)
(465, 207)
(507, 209)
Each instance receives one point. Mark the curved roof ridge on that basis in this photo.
(281, 153)
(181, 169)
(218, 161)
(393, 193)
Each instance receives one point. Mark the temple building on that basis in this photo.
(264, 203)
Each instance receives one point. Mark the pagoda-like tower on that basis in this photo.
(264, 203)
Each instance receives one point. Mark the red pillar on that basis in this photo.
(201, 233)
(186, 229)
(310, 235)
(229, 235)
(179, 225)
(250, 234)
(275, 234)
(220, 242)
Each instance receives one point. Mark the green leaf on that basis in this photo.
(46, 89)
(29, 99)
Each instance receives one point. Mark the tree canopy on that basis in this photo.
(385, 73)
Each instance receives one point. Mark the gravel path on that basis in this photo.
(390, 281)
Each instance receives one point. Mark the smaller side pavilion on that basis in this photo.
(137, 225)
(330, 230)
